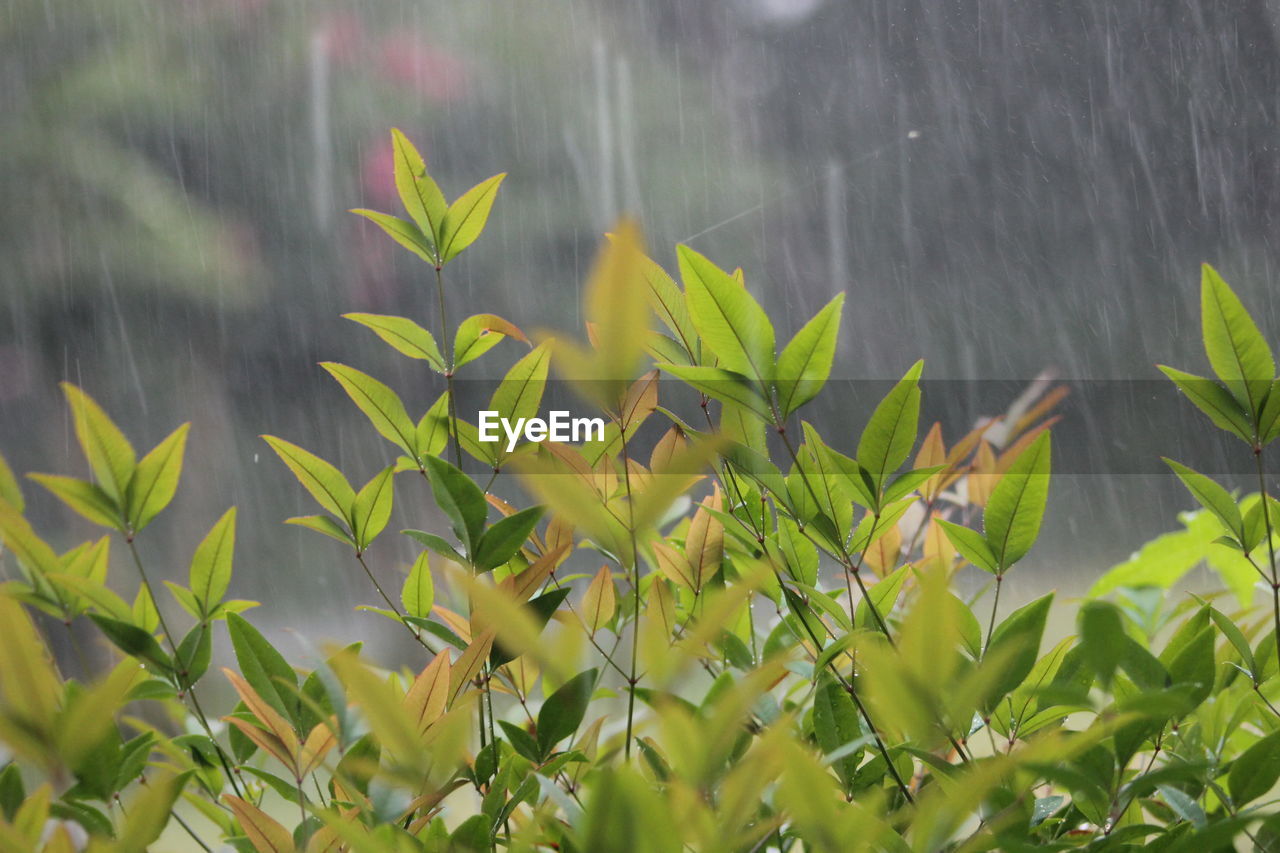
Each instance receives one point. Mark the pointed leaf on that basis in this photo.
(404, 335)
(1236, 349)
(460, 499)
(805, 363)
(211, 564)
(478, 334)
(600, 600)
(418, 593)
(264, 668)
(1011, 520)
(1214, 400)
(85, 498)
(563, 710)
(325, 482)
(1212, 497)
(727, 318)
(109, 453)
(466, 217)
(373, 507)
(890, 433)
(506, 537)
(155, 480)
(407, 234)
(379, 403)
(419, 194)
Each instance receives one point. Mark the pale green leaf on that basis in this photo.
(805, 362)
(404, 335)
(466, 217)
(727, 318)
(155, 480)
(379, 403)
(109, 453)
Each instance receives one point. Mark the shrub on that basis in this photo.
(710, 686)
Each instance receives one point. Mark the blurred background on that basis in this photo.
(1001, 189)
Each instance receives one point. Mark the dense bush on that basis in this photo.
(780, 663)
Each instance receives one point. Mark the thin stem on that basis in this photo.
(995, 605)
(635, 586)
(1271, 547)
(188, 689)
(391, 605)
(196, 838)
(449, 367)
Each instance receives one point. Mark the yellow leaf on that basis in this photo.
(704, 543)
(263, 831)
(428, 695)
(674, 565)
(600, 601)
(268, 716)
(317, 746)
(469, 664)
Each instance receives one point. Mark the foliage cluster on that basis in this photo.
(770, 656)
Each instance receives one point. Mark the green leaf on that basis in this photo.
(155, 480)
(323, 524)
(723, 385)
(1256, 771)
(379, 403)
(194, 653)
(888, 437)
(1212, 497)
(727, 318)
(373, 508)
(133, 641)
(562, 712)
(1236, 349)
(460, 499)
(325, 482)
(478, 334)
(1183, 806)
(1214, 400)
(437, 544)
(884, 595)
(466, 217)
(1011, 520)
(418, 593)
(419, 193)
(1015, 645)
(18, 537)
(835, 725)
(541, 609)
(519, 394)
(1236, 637)
(432, 431)
(1269, 420)
(109, 453)
(668, 302)
(504, 539)
(264, 668)
(407, 234)
(907, 482)
(971, 545)
(211, 564)
(805, 362)
(1102, 638)
(85, 498)
(405, 337)
(12, 791)
(9, 491)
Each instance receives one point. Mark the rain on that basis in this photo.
(1008, 191)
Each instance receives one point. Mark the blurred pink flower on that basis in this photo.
(378, 176)
(434, 73)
